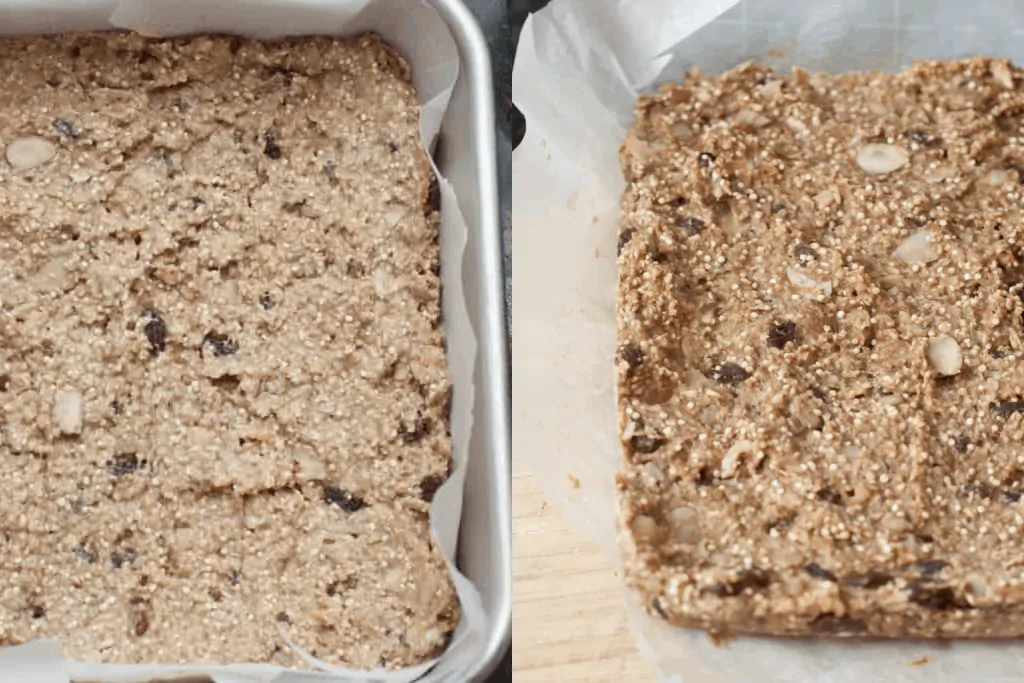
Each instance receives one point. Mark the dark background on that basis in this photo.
(493, 18)
(501, 21)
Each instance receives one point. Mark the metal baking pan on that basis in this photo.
(485, 540)
(466, 154)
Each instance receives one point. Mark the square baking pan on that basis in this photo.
(465, 153)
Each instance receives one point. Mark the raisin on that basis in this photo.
(270, 147)
(920, 137)
(776, 208)
(781, 523)
(1013, 495)
(780, 334)
(974, 489)
(633, 355)
(930, 567)
(85, 554)
(658, 607)
(38, 611)
(447, 412)
(156, 332)
(646, 444)
(66, 128)
(220, 344)
(961, 442)
(936, 598)
(287, 75)
(730, 374)
(119, 558)
(749, 579)
(283, 618)
(829, 623)
(5, 382)
(1005, 409)
(705, 159)
(236, 577)
(819, 572)
(829, 495)
(434, 194)
(124, 464)
(691, 226)
(346, 500)
(117, 407)
(624, 237)
(228, 383)
(141, 624)
(705, 476)
(416, 431)
(805, 253)
(870, 580)
(330, 170)
(429, 486)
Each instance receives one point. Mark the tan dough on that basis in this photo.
(223, 394)
(820, 372)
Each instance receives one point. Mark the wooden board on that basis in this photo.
(569, 614)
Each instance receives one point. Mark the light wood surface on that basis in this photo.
(569, 614)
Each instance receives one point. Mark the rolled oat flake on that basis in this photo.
(27, 153)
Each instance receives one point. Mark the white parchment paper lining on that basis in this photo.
(580, 64)
(418, 32)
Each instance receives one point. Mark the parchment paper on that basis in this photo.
(580, 65)
(417, 31)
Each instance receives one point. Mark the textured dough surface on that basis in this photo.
(820, 372)
(223, 394)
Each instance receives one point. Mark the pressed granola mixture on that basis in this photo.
(821, 389)
(223, 396)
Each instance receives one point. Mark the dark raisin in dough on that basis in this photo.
(730, 374)
(646, 444)
(691, 226)
(346, 500)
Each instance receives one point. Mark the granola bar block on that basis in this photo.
(819, 373)
(223, 393)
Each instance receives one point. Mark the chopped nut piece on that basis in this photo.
(733, 456)
(1001, 73)
(27, 153)
(67, 412)
(945, 356)
(808, 284)
(918, 248)
(880, 159)
(644, 527)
